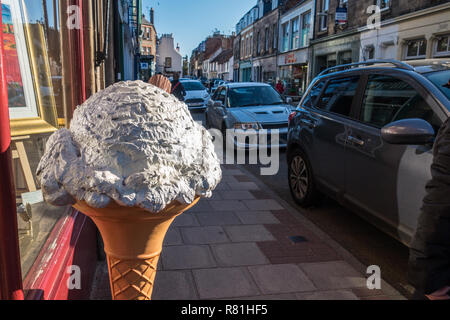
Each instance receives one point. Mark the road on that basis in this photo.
(369, 245)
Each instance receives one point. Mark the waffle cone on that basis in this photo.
(133, 240)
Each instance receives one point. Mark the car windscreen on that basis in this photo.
(253, 96)
(441, 79)
(193, 86)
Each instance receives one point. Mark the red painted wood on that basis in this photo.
(72, 242)
(10, 271)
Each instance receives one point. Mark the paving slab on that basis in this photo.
(173, 237)
(264, 204)
(204, 235)
(257, 217)
(248, 233)
(186, 220)
(187, 257)
(231, 205)
(224, 283)
(242, 186)
(217, 218)
(238, 254)
(236, 195)
(333, 275)
(327, 295)
(174, 285)
(285, 278)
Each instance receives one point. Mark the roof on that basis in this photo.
(246, 84)
(224, 56)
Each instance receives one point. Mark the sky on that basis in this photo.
(191, 21)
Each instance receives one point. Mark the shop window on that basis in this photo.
(294, 34)
(33, 70)
(345, 57)
(442, 46)
(369, 52)
(416, 49)
(306, 25)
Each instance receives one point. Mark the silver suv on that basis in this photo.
(363, 134)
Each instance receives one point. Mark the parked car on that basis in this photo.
(245, 106)
(364, 137)
(197, 96)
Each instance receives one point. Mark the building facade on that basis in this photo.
(265, 44)
(295, 32)
(148, 46)
(169, 59)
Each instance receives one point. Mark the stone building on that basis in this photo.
(265, 42)
(295, 32)
(384, 29)
(169, 60)
(148, 46)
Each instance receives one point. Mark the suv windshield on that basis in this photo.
(441, 79)
(253, 96)
(193, 86)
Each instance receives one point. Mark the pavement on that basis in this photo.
(246, 243)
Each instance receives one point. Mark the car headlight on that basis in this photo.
(206, 96)
(247, 126)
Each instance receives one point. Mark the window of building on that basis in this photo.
(416, 49)
(442, 46)
(294, 43)
(285, 37)
(168, 62)
(383, 4)
(306, 26)
(338, 96)
(275, 36)
(266, 40)
(323, 20)
(258, 43)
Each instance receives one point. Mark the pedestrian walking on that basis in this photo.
(429, 262)
(177, 87)
(279, 87)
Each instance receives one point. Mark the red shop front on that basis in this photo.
(48, 66)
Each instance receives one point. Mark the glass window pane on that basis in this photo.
(311, 99)
(442, 44)
(338, 96)
(34, 74)
(385, 96)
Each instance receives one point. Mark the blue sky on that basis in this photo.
(191, 21)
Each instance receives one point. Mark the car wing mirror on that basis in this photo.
(289, 100)
(408, 132)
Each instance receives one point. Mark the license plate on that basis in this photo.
(195, 104)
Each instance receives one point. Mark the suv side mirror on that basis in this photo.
(408, 131)
(218, 104)
(289, 100)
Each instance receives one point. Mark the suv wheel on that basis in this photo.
(301, 181)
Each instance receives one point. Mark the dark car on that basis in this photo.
(363, 134)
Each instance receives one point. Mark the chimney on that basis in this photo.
(178, 47)
(152, 16)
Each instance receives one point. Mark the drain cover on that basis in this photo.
(298, 239)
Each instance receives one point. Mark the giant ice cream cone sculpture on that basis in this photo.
(133, 160)
(133, 242)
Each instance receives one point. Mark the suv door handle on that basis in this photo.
(308, 123)
(357, 141)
